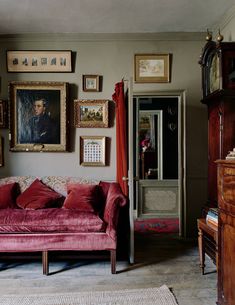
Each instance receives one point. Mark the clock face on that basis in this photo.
(214, 77)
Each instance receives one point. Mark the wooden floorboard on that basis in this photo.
(159, 260)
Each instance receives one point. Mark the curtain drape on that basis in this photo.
(121, 135)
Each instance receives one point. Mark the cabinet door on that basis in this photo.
(226, 279)
(214, 148)
(228, 127)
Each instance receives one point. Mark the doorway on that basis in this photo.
(158, 158)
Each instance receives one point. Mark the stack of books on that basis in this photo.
(212, 216)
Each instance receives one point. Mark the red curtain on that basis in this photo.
(121, 135)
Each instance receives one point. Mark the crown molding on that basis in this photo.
(74, 37)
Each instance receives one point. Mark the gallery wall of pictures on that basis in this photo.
(92, 76)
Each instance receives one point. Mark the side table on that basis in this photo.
(207, 242)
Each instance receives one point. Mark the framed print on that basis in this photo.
(152, 68)
(92, 151)
(39, 61)
(91, 83)
(38, 116)
(1, 151)
(91, 113)
(3, 114)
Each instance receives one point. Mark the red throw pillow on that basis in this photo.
(82, 197)
(38, 196)
(8, 194)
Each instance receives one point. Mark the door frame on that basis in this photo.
(181, 95)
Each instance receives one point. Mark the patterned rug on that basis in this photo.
(146, 296)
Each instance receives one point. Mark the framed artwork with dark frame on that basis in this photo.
(3, 114)
(39, 61)
(1, 152)
(91, 113)
(91, 83)
(152, 68)
(38, 116)
(92, 150)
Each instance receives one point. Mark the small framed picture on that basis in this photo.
(152, 68)
(3, 114)
(91, 83)
(92, 150)
(91, 113)
(1, 151)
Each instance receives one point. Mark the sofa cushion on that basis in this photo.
(8, 193)
(38, 196)
(81, 197)
(49, 220)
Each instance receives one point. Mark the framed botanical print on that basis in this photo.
(3, 114)
(92, 150)
(38, 116)
(39, 61)
(1, 151)
(152, 68)
(91, 113)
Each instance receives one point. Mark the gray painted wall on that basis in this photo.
(112, 57)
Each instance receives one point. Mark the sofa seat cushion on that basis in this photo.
(49, 221)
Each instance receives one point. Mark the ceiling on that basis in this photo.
(110, 16)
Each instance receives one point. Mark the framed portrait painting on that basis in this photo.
(92, 150)
(91, 113)
(38, 116)
(152, 68)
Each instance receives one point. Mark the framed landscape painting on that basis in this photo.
(152, 68)
(39, 61)
(38, 116)
(91, 113)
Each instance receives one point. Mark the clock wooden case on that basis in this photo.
(218, 86)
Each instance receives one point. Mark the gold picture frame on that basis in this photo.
(3, 114)
(152, 68)
(91, 113)
(1, 152)
(39, 61)
(38, 116)
(91, 83)
(92, 150)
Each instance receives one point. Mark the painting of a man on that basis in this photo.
(38, 119)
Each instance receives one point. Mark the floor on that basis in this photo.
(160, 259)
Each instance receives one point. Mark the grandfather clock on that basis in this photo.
(218, 86)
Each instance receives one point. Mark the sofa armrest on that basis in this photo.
(115, 199)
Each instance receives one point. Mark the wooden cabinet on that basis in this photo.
(226, 232)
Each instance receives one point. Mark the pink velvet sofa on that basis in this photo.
(58, 228)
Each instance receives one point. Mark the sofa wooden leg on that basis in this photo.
(45, 263)
(113, 261)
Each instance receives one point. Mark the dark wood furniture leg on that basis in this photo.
(201, 250)
(45, 263)
(113, 261)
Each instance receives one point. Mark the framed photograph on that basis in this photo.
(91, 113)
(38, 116)
(39, 61)
(3, 114)
(91, 83)
(92, 151)
(152, 68)
(1, 152)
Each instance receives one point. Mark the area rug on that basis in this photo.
(157, 225)
(146, 296)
